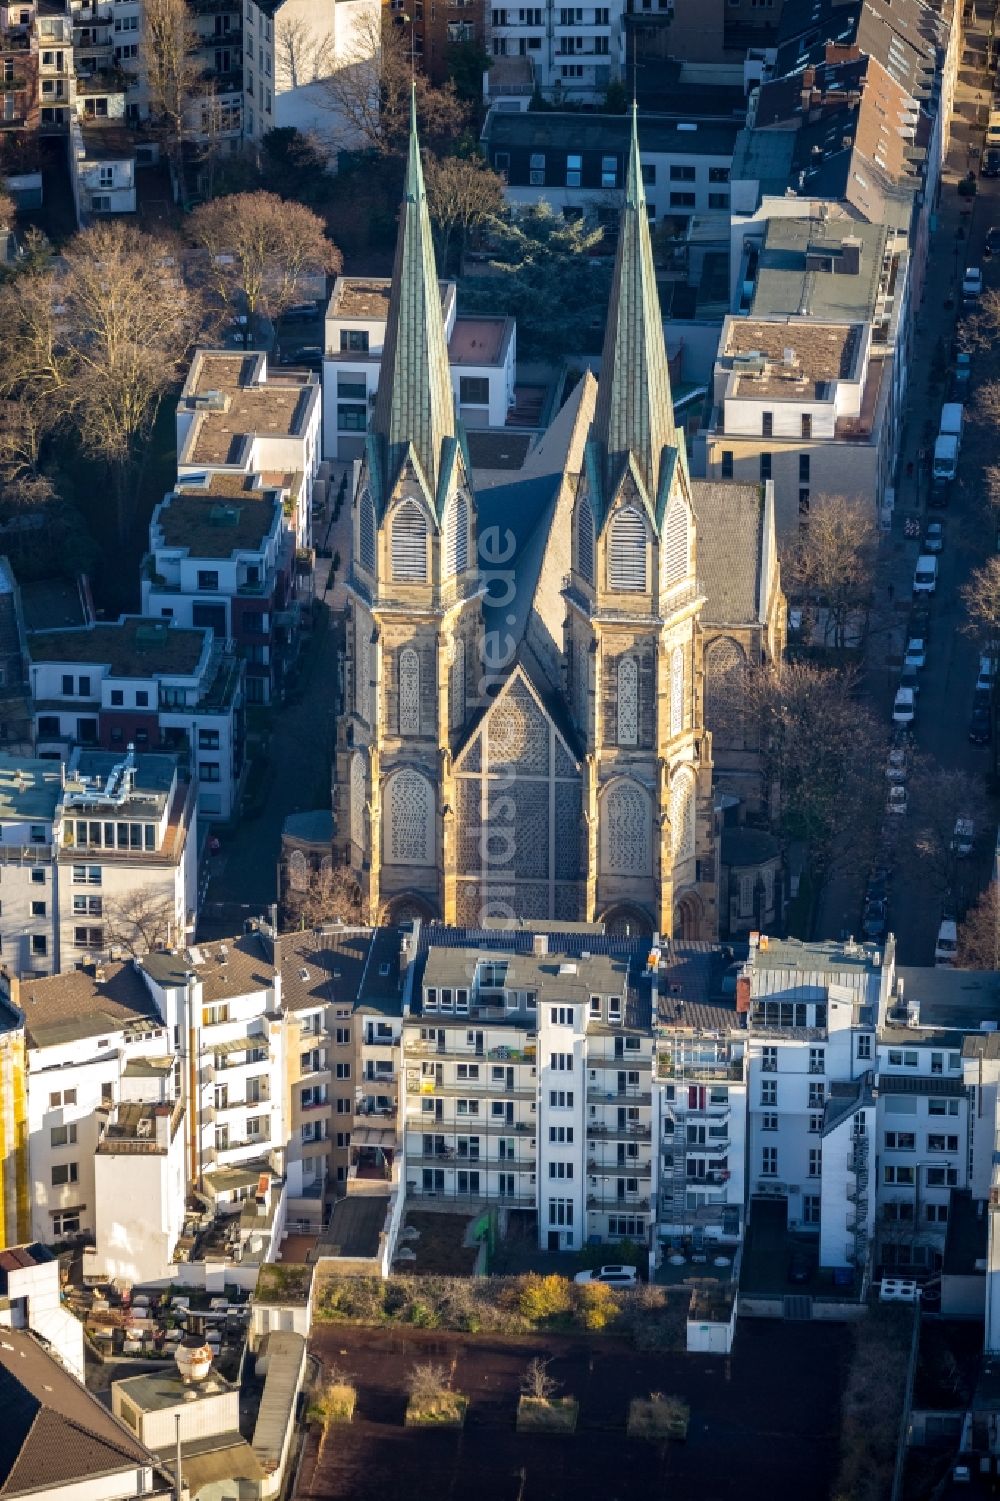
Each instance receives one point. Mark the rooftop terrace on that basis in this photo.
(132, 647)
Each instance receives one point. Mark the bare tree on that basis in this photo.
(982, 329)
(981, 595)
(428, 1381)
(173, 74)
(138, 921)
(261, 248)
(330, 895)
(832, 564)
(939, 796)
(823, 759)
(537, 1382)
(462, 194)
(368, 93)
(127, 319)
(979, 932)
(7, 210)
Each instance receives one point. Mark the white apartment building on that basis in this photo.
(149, 683)
(482, 353)
(139, 1190)
(290, 47)
(528, 1083)
(102, 166)
(807, 405)
(575, 51)
(31, 1298)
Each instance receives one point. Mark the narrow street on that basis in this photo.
(947, 681)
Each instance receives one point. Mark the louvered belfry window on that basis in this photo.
(627, 552)
(409, 544)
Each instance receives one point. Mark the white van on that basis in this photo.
(904, 708)
(946, 948)
(985, 678)
(945, 458)
(925, 574)
(952, 419)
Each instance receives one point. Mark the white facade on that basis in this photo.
(482, 354)
(702, 1117)
(32, 1300)
(139, 1192)
(290, 49)
(102, 171)
(575, 52)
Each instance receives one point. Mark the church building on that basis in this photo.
(524, 730)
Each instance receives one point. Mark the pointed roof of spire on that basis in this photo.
(634, 414)
(415, 407)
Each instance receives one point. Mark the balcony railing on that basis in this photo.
(622, 1169)
(670, 1067)
(617, 1201)
(631, 1129)
(612, 1096)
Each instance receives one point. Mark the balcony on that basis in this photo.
(623, 1169)
(669, 1066)
(243, 1144)
(631, 1202)
(632, 1130)
(473, 1091)
(620, 1064)
(637, 1097)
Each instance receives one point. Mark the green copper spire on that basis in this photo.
(634, 412)
(414, 404)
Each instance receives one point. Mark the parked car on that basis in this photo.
(981, 726)
(618, 1276)
(800, 1266)
(897, 800)
(904, 709)
(920, 617)
(990, 165)
(946, 947)
(984, 679)
(925, 574)
(963, 369)
(972, 284)
(993, 239)
(964, 838)
(300, 312)
(896, 765)
(910, 678)
(934, 537)
(916, 652)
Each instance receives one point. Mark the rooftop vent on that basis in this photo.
(540, 944)
(151, 633)
(567, 969)
(210, 401)
(224, 515)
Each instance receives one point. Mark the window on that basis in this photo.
(627, 552)
(682, 173)
(769, 1121)
(937, 1143)
(342, 1036)
(767, 424)
(65, 1172)
(86, 875)
(561, 1099)
(38, 877)
(39, 945)
(561, 1062)
(609, 171)
(865, 1046)
(718, 200)
(354, 341)
(560, 1211)
(117, 698)
(38, 909)
(63, 1136)
(718, 174)
(409, 543)
(209, 771)
(765, 467)
(936, 1214)
(807, 425)
(208, 740)
(815, 1161)
(815, 1123)
(682, 200)
(769, 1060)
(574, 171)
(900, 1141)
(726, 463)
(769, 1091)
(810, 1209)
(817, 1060)
(67, 1222)
(803, 469)
(561, 1134)
(560, 1169)
(769, 1162)
(803, 503)
(457, 534)
(942, 1177)
(342, 1071)
(899, 1177)
(474, 390)
(208, 578)
(67, 684)
(942, 1107)
(536, 170)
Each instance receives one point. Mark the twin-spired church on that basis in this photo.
(524, 729)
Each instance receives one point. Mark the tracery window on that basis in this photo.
(628, 701)
(409, 818)
(409, 692)
(625, 826)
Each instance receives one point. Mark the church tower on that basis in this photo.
(632, 641)
(413, 611)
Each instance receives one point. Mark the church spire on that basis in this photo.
(634, 412)
(415, 404)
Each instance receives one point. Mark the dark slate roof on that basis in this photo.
(689, 990)
(52, 1431)
(355, 1226)
(967, 1237)
(74, 1005)
(730, 520)
(661, 134)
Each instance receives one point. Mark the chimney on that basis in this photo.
(743, 994)
(539, 944)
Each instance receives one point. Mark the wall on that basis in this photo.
(140, 1210)
(15, 1208)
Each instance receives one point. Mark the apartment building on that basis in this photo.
(439, 28)
(482, 354)
(290, 48)
(139, 1187)
(20, 103)
(528, 1083)
(575, 52)
(578, 164)
(149, 683)
(102, 167)
(217, 117)
(806, 405)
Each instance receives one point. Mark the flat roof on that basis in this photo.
(158, 1391)
(83, 1003)
(132, 647)
(29, 789)
(952, 998)
(553, 976)
(789, 278)
(51, 604)
(479, 341)
(658, 134)
(356, 1224)
(966, 1241)
(828, 955)
(207, 527)
(367, 297)
(247, 404)
(286, 1355)
(821, 353)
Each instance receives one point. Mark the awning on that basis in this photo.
(237, 1045)
(372, 1136)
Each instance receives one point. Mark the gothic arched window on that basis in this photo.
(358, 799)
(298, 871)
(409, 543)
(676, 543)
(456, 686)
(725, 691)
(366, 531)
(409, 692)
(585, 540)
(409, 819)
(457, 549)
(628, 701)
(682, 793)
(627, 572)
(676, 691)
(625, 830)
